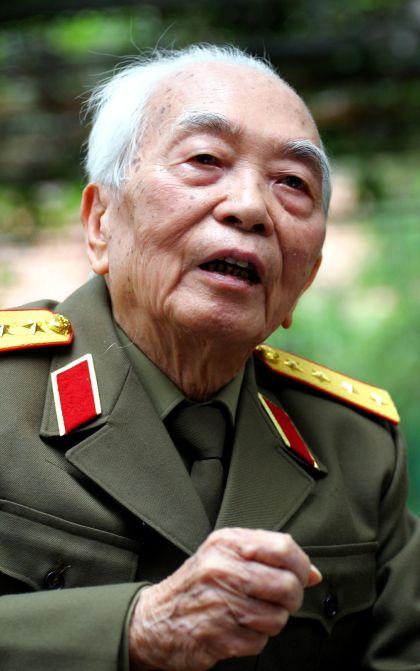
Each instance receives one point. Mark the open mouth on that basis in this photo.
(243, 270)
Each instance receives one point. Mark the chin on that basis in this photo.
(224, 329)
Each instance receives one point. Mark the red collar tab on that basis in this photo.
(76, 395)
(288, 432)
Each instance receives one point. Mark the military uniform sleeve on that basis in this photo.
(394, 643)
(79, 628)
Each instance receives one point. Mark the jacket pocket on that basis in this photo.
(348, 584)
(46, 552)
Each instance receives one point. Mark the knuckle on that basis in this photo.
(241, 647)
(210, 541)
(273, 628)
(216, 535)
(278, 622)
(233, 648)
(288, 543)
(297, 602)
(220, 535)
(209, 568)
(289, 582)
(258, 645)
(245, 579)
(244, 618)
(290, 591)
(214, 570)
(293, 600)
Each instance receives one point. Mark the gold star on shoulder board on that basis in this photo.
(22, 329)
(350, 391)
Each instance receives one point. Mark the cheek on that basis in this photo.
(163, 215)
(297, 265)
(299, 253)
(153, 266)
(121, 276)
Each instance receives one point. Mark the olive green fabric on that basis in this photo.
(73, 629)
(110, 508)
(162, 391)
(199, 432)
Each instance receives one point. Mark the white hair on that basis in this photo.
(118, 107)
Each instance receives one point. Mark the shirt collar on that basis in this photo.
(164, 394)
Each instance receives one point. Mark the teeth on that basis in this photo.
(235, 262)
(230, 266)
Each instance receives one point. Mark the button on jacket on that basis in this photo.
(88, 518)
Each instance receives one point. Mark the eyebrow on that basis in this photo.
(209, 122)
(308, 151)
(301, 149)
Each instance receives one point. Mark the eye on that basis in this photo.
(205, 159)
(294, 182)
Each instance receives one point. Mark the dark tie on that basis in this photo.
(199, 432)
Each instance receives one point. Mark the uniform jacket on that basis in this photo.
(109, 507)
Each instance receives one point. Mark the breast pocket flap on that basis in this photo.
(348, 584)
(45, 556)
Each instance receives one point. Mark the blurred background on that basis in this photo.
(357, 64)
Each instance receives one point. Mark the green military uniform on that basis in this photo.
(109, 507)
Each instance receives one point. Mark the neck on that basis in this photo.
(199, 366)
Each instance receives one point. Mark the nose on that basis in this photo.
(245, 204)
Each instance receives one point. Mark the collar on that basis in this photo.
(164, 394)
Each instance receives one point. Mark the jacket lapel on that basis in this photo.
(129, 454)
(265, 486)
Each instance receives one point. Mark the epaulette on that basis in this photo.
(23, 329)
(353, 392)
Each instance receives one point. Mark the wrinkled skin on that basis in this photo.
(224, 601)
(190, 196)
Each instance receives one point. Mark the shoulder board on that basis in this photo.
(350, 391)
(23, 329)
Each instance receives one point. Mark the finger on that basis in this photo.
(231, 575)
(315, 577)
(272, 548)
(260, 616)
(277, 586)
(241, 642)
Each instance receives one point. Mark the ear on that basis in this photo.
(93, 213)
(287, 322)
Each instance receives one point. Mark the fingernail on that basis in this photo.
(315, 576)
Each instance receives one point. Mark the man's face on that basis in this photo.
(219, 226)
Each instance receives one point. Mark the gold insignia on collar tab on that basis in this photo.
(353, 392)
(22, 329)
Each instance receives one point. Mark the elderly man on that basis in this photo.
(204, 500)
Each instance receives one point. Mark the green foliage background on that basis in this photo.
(357, 64)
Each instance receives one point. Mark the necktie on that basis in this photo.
(199, 431)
